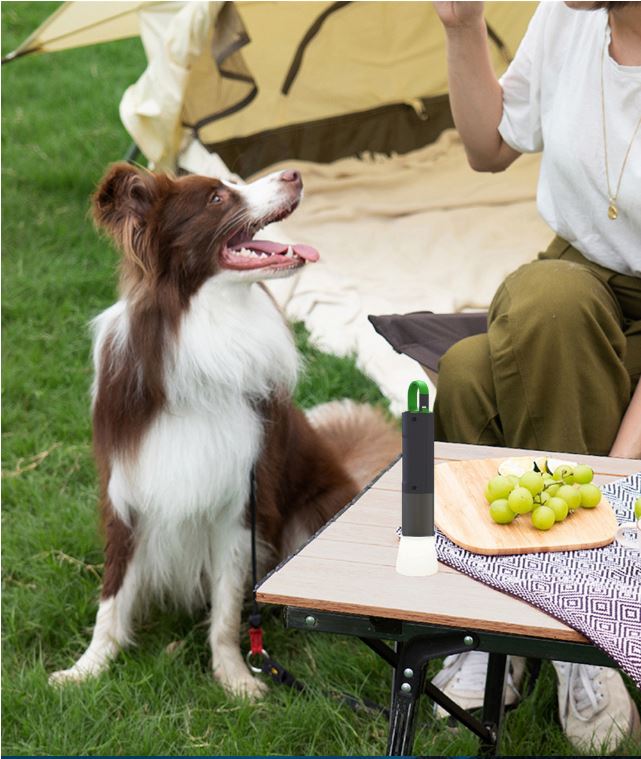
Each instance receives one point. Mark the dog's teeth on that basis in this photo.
(248, 253)
(290, 252)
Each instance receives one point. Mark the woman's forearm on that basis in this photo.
(627, 444)
(476, 98)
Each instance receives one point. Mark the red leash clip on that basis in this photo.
(256, 640)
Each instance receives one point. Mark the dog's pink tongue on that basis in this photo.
(306, 252)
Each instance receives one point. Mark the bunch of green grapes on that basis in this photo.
(547, 497)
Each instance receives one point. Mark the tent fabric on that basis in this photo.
(80, 24)
(366, 54)
(388, 128)
(177, 43)
(363, 56)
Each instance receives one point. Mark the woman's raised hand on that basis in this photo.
(476, 96)
(458, 15)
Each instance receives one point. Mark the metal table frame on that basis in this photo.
(416, 644)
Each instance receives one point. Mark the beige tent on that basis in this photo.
(325, 80)
(355, 96)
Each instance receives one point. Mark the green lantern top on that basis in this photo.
(418, 397)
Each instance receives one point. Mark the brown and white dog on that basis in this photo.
(194, 373)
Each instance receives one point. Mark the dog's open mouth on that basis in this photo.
(242, 252)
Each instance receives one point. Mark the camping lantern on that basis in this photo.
(417, 548)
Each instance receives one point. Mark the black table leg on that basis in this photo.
(494, 703)
(406, 690)
(408, 683)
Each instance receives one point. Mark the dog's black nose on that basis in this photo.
(291, 176)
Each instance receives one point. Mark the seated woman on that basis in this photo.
(558, 367)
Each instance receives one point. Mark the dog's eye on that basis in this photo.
(215, 198)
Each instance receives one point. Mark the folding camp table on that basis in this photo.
(344, 581)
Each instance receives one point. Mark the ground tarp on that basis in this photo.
(415, 232)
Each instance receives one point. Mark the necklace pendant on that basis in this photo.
(612, 211)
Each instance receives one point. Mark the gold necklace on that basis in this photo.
(613, 211)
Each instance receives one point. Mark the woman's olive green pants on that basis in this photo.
(558, 365)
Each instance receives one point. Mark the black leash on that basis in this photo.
(255, 620)
(269, 666)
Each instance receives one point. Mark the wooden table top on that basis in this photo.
(349, 566)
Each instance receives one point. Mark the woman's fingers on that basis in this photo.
(455, 15)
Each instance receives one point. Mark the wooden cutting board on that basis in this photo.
(462, 513)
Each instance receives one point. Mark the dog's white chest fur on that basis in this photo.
(233, 349)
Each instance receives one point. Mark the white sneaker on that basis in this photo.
(463, 680)
(595, 708)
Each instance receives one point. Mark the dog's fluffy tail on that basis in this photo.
(364, 440)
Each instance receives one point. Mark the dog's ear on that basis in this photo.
(121, 205)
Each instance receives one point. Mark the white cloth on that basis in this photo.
(552, 103)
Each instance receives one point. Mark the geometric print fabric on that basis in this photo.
(597, 591)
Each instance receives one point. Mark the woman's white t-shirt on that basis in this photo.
(552, 103)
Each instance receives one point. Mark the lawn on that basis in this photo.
(60, 129)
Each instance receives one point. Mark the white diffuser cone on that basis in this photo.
(417, 556)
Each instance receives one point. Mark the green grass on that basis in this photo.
(60, 129)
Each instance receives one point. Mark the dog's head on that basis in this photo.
(190, 229)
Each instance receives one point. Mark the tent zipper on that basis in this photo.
(309, 35)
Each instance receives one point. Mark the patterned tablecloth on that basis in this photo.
(597, 591)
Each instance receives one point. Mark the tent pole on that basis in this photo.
(132, 153)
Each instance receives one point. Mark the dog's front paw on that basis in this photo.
(248, 687)
(239, 682)
(65, 676)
